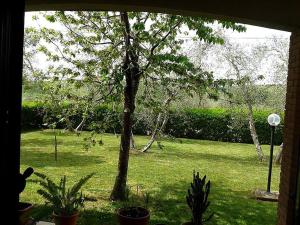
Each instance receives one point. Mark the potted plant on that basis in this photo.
(132, 214)
(197, 200)
(65, 202)
(24, 208)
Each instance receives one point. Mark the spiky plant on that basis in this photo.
(197, 199)
(63, 200)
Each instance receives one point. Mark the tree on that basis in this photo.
(279, 53)
(245, 67)
(159, 95)
(161, 120)
(261, 72)
(30, 71)
(116, 50)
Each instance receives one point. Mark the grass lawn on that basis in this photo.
(165, 174)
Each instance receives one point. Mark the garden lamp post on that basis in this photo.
(273, 120)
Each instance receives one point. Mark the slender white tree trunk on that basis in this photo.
(132, 142)
(160, 125)
(80, 125)
(278, 157)
(161, 130)
(154, 133)
(69, 124)
(254, 136)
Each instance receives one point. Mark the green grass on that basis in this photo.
(232, 168)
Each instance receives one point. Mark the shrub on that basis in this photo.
(207, 124)
(32, 115)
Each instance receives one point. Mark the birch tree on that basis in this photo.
(245, 67)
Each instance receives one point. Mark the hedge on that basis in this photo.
(32, 115)
(205, 124)
(218, 125)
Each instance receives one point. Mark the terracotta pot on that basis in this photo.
(65, 220)
(24, 210)
(125, 219)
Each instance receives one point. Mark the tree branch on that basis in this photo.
(159, 42)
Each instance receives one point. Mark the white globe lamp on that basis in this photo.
(274, 119)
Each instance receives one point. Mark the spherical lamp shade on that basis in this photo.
(274, 119)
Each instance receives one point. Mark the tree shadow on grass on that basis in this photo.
(168, 206)
(41, 142)
(199, 141)
(230, 207)
(49, 142)
(86, 216)
(96, 217)
(212, 157)
(59, 132)
(29, 130)
(38, 159)
(237, 207)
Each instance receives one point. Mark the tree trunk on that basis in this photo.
(159, 126)
(157, 131)
(69, 124)
(80, 125)
(154, 133)
(278, 157)
(166, 117)
(132, 143)
(254, 136)
(132, 75)
(118, 192)
(84, 116)
(161, 130)
(248, 102)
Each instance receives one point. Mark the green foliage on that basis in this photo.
(221, 125)
(197, 199)
(63, 200)
(32, 115)
(206, 124)
(91, 140)
(88, 50)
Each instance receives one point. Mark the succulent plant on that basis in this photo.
(197, 199)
